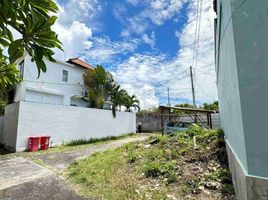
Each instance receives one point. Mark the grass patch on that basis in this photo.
(95, 140)
(162, 167)
(75, 145)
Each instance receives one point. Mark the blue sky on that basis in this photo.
(146, 44)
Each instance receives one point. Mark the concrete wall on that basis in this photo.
(9, 137)
(49, 87)
(62, 123)
(1, 128)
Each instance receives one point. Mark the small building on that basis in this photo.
(241, 46)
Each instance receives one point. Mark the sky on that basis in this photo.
(148, 45)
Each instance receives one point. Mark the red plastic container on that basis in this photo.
(45, 142)
(33, 143)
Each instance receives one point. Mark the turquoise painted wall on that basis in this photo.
(228, 86)
(243, 81)
(251, 44)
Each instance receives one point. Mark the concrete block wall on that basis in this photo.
(1, 127)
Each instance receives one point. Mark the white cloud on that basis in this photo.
(74, 38)
(79, 10)
(162, 10)
(151, 40)
(155, 13)
(152, 70)
(104, 50)
(148, 100)
(71, 27)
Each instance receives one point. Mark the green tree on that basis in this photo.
(99, 85)
(8, 77)
(101, 88)
(131, 102)
(211, 106)
(117, 95)
(183, 105)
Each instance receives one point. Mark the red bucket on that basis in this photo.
(45, 142)
(33, 143)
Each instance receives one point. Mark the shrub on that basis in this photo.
(194, 130)
(152, 169)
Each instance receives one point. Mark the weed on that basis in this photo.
(152, 169)
(157, 171)
(227, 189)
(94, 140)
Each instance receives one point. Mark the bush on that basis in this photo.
(194, 130)
(152, 169)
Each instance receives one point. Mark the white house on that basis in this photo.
(47, 106)
(59, 85)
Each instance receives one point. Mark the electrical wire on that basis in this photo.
(161, 84)
(197, 31)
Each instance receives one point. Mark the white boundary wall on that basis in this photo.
(1, 127)
(63, 123)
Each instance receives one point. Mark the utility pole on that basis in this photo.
(168, 97)
(192, 82)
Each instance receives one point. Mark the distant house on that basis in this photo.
(61, 83)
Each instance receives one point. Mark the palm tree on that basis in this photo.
(131, 102)
(101, 87)
(98, 83)
(116, 98)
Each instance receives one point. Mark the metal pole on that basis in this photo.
(168, 96)
(192, 83)
(193, 94)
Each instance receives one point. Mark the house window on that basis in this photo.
(21, 68)
(65, 76)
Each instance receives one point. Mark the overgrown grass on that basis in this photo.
(163, 167)
(76, 144)
(94, 140)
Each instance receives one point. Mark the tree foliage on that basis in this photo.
(211, 106)
(32, 19)
(98, 83)
(101, 88)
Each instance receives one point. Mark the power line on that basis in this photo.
(164, 82)
(197, 30)
(196, 42)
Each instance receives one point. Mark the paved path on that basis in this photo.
(22, 179)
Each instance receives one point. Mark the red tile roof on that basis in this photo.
(78, 62)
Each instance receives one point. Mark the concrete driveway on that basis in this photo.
(23, 179)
